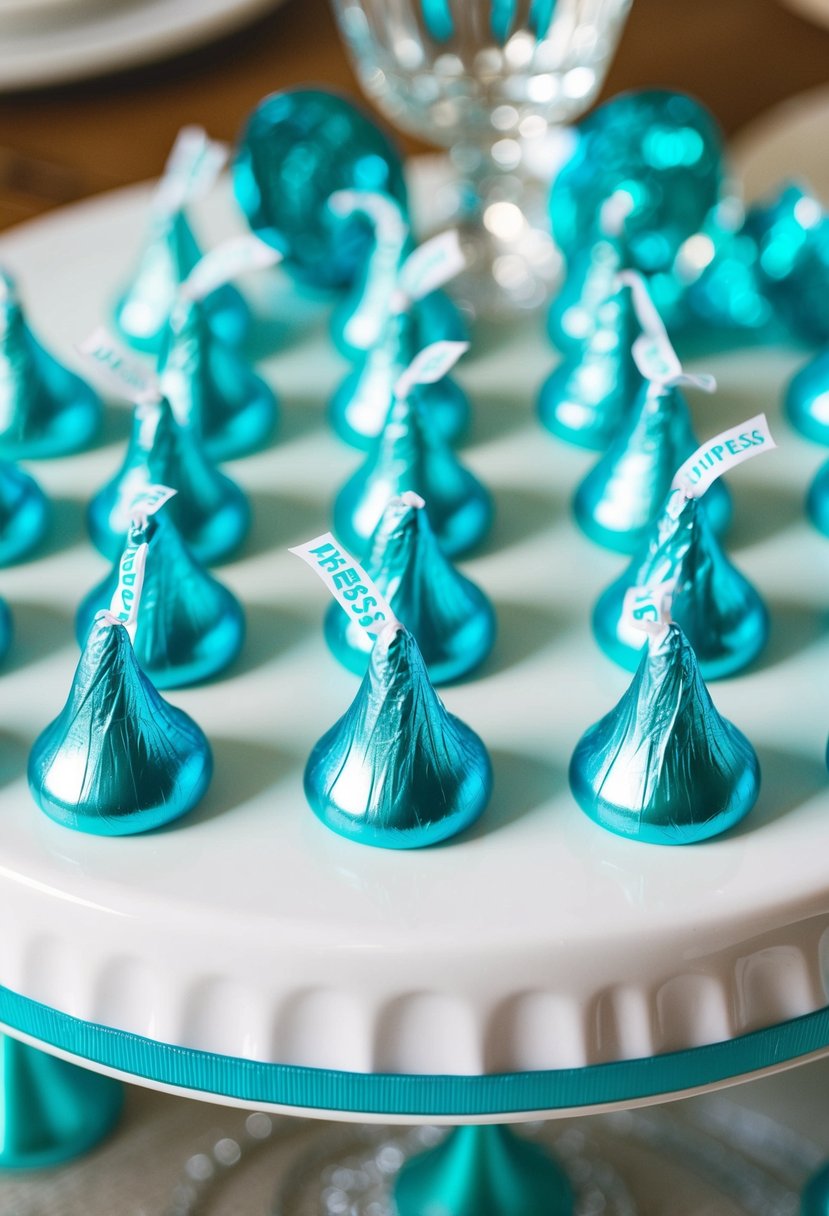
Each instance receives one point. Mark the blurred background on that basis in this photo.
(66, 140)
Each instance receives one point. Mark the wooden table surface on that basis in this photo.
(738, 56)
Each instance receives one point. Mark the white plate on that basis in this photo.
(72, 41)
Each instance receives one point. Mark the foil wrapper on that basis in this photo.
(299, 147)
(24, 514)
(397, 771)
(451, 619)
(361, 404)
(663, 766)
(410, 455)
(659, 152)
(45, 409)
(484, 1171)
(720, 612)
(588, 396)
(806, 401)
(190, 626)
(212, 384)
(209, 510)
(624, 492)
(170, 252)
(118, 759)
(591, 281)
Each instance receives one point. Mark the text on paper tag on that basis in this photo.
(351, 587)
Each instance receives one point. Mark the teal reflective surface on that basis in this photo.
(452, 620)
(587, 397)
(791, 233)
(190, 626)
(663, 766)
(719, 611)
(589, 284)
(410, 455)
(397, 771)
(806, 400)
(118, 759)
(624, 492)
(483, 1171)
(212, 384)
(24, 514)
(50, 1111)
(209, 510)
(817, 500)
(815, 1199)
(143, 309)
(297, 148)
(658, 151)
(361, 404)
(6, 629)
(45, 409)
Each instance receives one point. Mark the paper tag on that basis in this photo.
(385, 213)
(431, 265)
(149, 500)
(431, 364)
(127, 597)
(649, 609)
(122, 374)
(348, 582)
(227, 261)
(725, 451)
(191, 169)
(653, 352)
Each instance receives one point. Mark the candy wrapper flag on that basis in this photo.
(206, 380)
(621, 496)
(718, 610)
(409, 454)
(210, 511)
(361, 403)
(663, 766)
(24, 514)
(190, 627)
(171, 252)
(587, 398)
(118, 759)
(450, 618)
(358, 321)
(298, 148)
(45, 410)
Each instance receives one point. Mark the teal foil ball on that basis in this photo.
(361, 404)
(663, 766)
(397, 771)
(791, 233)
(190, 626)
(50, 1110)
(451, 619)
(806, 400)
(661, 154)
(483, 1171)
(587, 398)
(118, 759)
(722, 615)
(143, 309)
(410, 455)
(211, 383)
(24, 514)
(45, 409)
(624, 492)
(297, 149)
(209, 510)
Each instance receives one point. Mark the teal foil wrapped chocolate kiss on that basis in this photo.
(622, 494)
(410, 454)
(209, 510)
(451, 619)
(45, 409)
(190, 626)
(299, 147)
(397, 771)
(24, 514)
(806, 400)
(663, 767)
(586, 399)
(590, 282)
(118, 759)
(170, 252)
